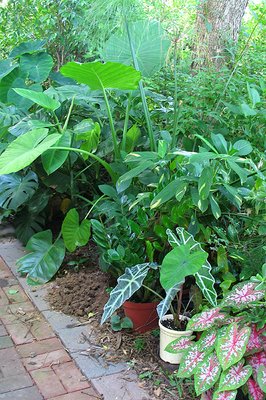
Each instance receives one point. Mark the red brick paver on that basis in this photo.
(33, 361)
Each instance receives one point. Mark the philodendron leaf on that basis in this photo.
(235, 377)
(261, 377)
(16, 189)
(190, 361)
(44, 258)
(127, 285)
(254, 390)
(99, 76)
(53, 159)
(39, 98)
(207, 373)
(204, 279)
(181, 344)
(170, 294)
(206, 319)
(243, 294)
(75, 234)
(25, 149)
(232, 346)
(167, 193)
(228, 395)
(205, 182)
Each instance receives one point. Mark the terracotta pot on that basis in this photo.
(167, 336)
(143, 315)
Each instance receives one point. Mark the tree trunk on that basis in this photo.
(217, 27)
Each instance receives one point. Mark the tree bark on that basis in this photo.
(217, 27)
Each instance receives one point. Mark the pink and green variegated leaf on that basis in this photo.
(243, 294)
(255, 342)
(207, 395)
(235, 377)
(207, 340)
(205, 320)
(231, 347)
(229, 395)
(255, 392)
(256, 360)
(180, 344)
(190, 360)
(261, 377)
(207, 374)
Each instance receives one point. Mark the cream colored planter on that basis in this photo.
(166, 337)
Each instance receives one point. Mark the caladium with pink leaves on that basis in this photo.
(243, 294)
(192, 358)
(254, 390)
(228, 395)
(180, 344)
(231, 347)
(205, 320)
(229, 353)
(235, 377)
(207, 373)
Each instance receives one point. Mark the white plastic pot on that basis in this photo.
(166, 337)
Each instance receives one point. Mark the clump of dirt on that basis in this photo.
(79, 292)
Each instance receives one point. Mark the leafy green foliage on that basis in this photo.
(42, 99)
(17, 189)
(43, 260)
(75, 234)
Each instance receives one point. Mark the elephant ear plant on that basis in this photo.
(186, 259)
(230, 353)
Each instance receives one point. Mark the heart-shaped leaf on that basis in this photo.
(207, 373)
(39, 98)
(207, 340)
(44, 258)
(190, 361)
(235, 377)
(54, 159)
(256, 361)
(205, 320)
(25, 149)
(99, 76)
(243, 294)
(75, 234)
(231, 347)
(180, 344)
(36, 66)
(255, 342)
(261, 377)
(16, 189)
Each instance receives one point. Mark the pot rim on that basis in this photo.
(172, 331)
(133, 305)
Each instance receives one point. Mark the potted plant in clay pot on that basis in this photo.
(187, 258)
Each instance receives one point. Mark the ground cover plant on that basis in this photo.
(127, 134)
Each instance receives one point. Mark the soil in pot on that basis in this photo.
(169, 324)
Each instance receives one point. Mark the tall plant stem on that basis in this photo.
(176, 109)
(112, 126)
(126, 122)
(179, 305)
(142, 92)
(160, 297)
(69, 114)
(100, 161)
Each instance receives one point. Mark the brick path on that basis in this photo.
(33, 362)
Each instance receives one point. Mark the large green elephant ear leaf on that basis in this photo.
(30, 47)
(44, 258)
(127, 285)
(36, 66)
(75, 234)
(16, 189)
(204, 278)
(25, 149)
(6, 66)
(39, 98)
(149, 42)
(99, 76)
